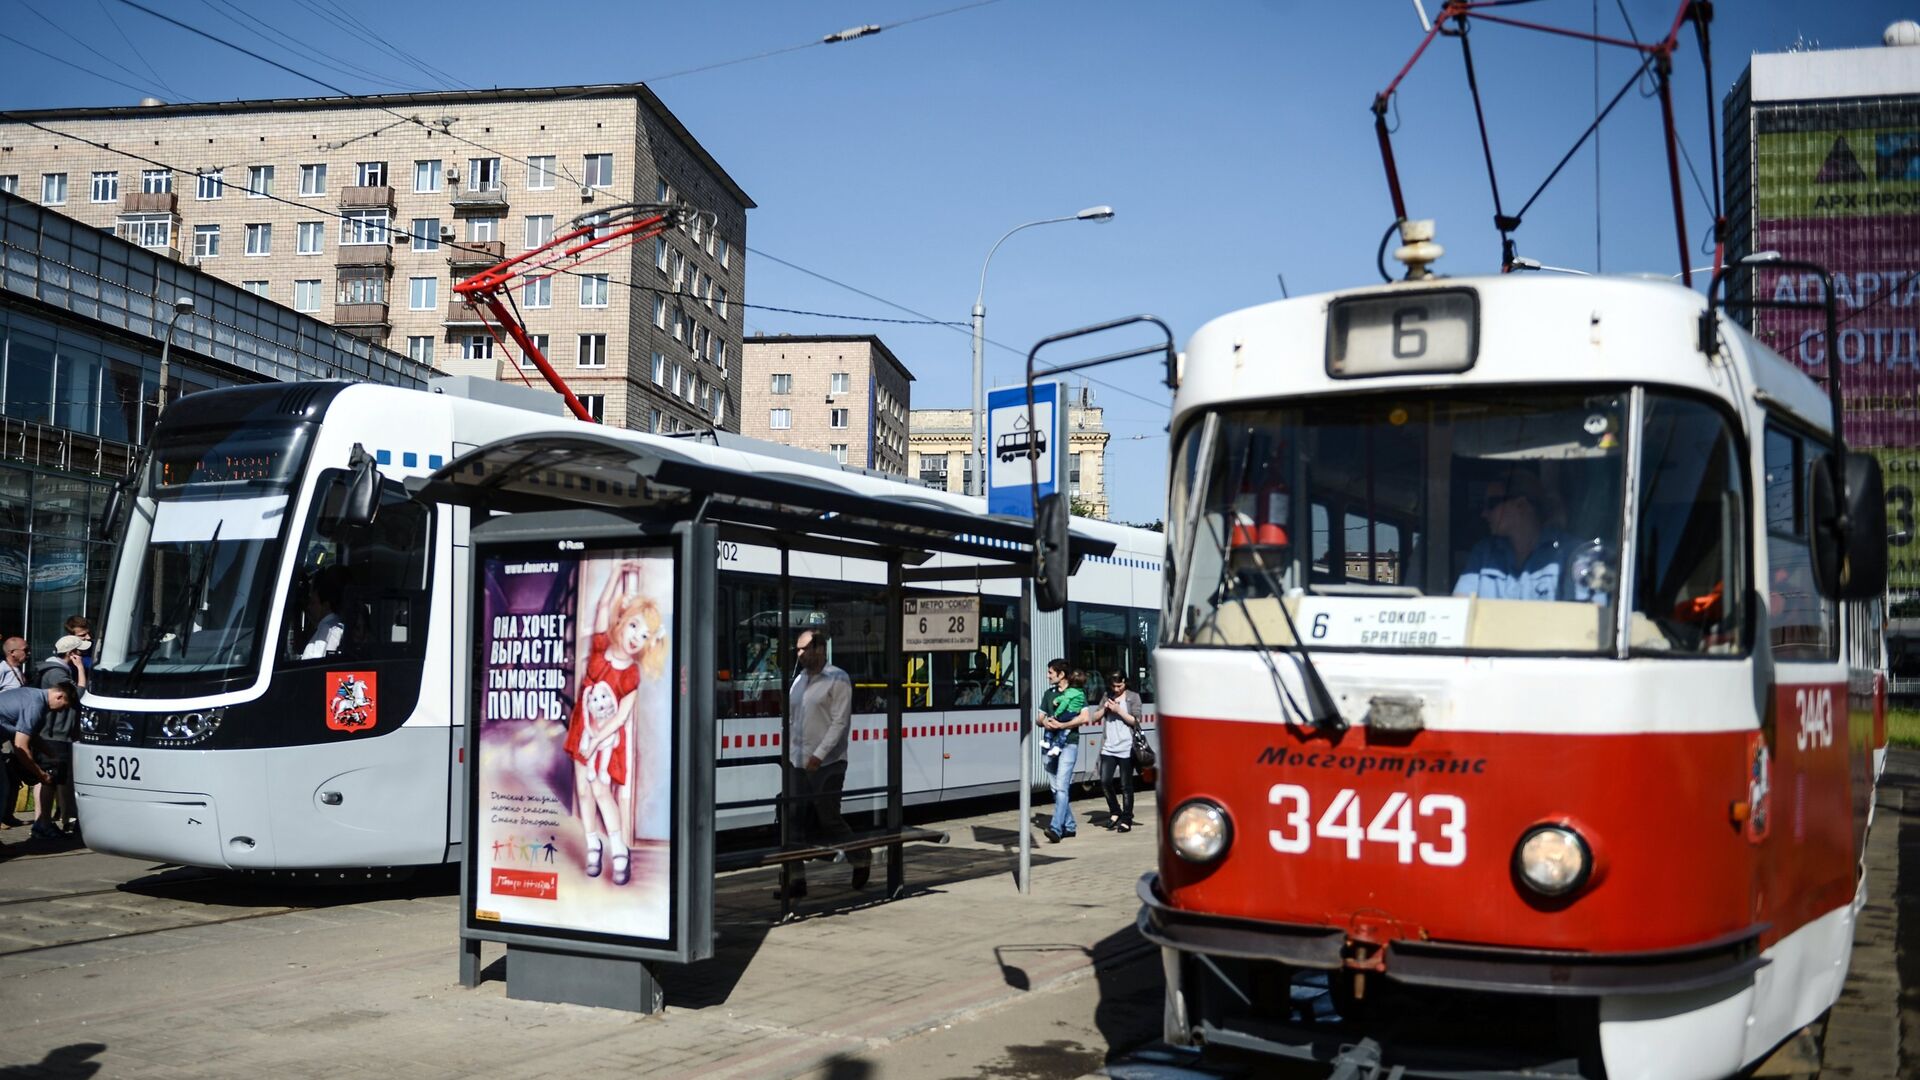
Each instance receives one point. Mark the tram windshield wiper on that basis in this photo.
(1320, 712)
(178, 610)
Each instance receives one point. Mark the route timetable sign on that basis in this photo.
(940, 624)
(1013, 448)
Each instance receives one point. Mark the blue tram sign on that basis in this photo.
(1014, 447)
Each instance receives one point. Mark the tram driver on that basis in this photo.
(325, 628)
(1524, 556)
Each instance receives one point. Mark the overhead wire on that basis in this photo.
(69, 35)
(135, 49)
(234, 13)
(4, 36)
(363, 33)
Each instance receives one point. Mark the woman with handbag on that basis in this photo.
(1121, 712)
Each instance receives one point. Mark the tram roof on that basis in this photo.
(625, 472)
(1534, 329)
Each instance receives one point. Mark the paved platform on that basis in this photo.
(114, 968)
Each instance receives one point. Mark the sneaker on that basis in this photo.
(1124, 827)
(1052, 837)
(44, 830)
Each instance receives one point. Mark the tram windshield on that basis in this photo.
(202, 548)
(1459, 521)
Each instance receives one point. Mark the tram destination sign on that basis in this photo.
(941, 624)
(1363, 622)
(1425, 330)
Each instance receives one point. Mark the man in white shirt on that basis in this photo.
(822, 698)
(322, 609)
(13, 672)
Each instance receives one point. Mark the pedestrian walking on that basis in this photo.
(1071, 713)
(1121, 712)
(817, 734)
(55, 809)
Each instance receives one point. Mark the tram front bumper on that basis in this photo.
(167, 826)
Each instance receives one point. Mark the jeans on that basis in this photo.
(1063, 822)
(818, 819)
(1117, 771)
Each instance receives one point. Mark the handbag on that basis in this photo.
(1143, 756)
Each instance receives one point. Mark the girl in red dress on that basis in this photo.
(627, 642)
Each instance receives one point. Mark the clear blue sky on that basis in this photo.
(1233, 139)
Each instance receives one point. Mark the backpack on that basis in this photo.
(59, 725)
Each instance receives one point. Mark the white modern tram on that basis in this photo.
(214, 734)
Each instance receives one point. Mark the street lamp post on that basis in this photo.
(977, 450)
(182, 305)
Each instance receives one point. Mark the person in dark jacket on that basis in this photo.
(67, 665)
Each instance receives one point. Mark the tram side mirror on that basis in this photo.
(1050, 552)
(356, 501)
(1849, 530)
(110, 516)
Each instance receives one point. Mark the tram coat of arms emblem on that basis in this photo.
(351, 704)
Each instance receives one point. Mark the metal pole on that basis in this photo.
(1024, 696)
(976, 449)
(892, 630)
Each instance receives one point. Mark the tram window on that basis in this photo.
(750, 663)
(1690, 579)
(1800, 623)
(1104, 638)
(361, 593)
(987, 676)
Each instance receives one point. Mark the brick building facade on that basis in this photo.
(365, 211)
(846, 395)
(941, 437)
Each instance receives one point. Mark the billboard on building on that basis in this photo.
(572, 827)
(1837, 183)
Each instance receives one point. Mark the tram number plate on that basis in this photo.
(116, 767)
(1438, 838)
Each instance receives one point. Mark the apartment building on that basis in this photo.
(846, 395)
(940, 438)
(365, 211)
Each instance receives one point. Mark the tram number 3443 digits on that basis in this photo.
(1440, 839)
(110, 767)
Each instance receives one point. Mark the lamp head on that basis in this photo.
(1761, 258)
(183, 304)
(1096, 213)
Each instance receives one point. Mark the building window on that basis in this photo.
(679, 325)
(426, 234)
(720, 356)
(659, 369)
(679, 379)
(592, 350)
(600, 171)
(426, 176)
(477, 347)
(306, 294)
(593, 290)
(596, 406)
(259, 181)
(363, 226)
(782, 384)
(309, 238)
(313, 179)
(540, 342)
(423, 293)
(483, 230)
(53, 188)
(206, 241)
(838, 382)
(1073, 476)
(598, 222)
(260, 239)
(156, 181)
(210, 185)
(653, 419)
(933, 470)
(370, 174)
(420, 349)
(540, 173)
(10, 183)
(840, 452)
(539, 230)
(720, 297)
(726, 254)
(780, 419)
(106, 186)
(148, 230)
(363, 285)
(483, 174)
(660, 311)
(257, 288)
(660, 253)
(837, 418)
(540, 293)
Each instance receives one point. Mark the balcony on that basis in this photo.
(477, 254)
(361, 317)
(364, 255)
(483, 198)
(366, 198)
(461, 313)
(142, 202)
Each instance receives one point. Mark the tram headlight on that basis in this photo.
(94, 724)
(1199, 831)
(1552, 860)
(187, 728)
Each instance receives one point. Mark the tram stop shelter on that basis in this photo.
(559, 518)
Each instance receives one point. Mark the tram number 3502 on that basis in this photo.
(1392, 825)
(110, 767)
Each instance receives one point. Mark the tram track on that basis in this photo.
(188, 879)
(124, 935)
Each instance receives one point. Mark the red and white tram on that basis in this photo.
(1518, 684)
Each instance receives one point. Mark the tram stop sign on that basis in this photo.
(1013, 448)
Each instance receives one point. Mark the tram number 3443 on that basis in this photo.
(1442, 820)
